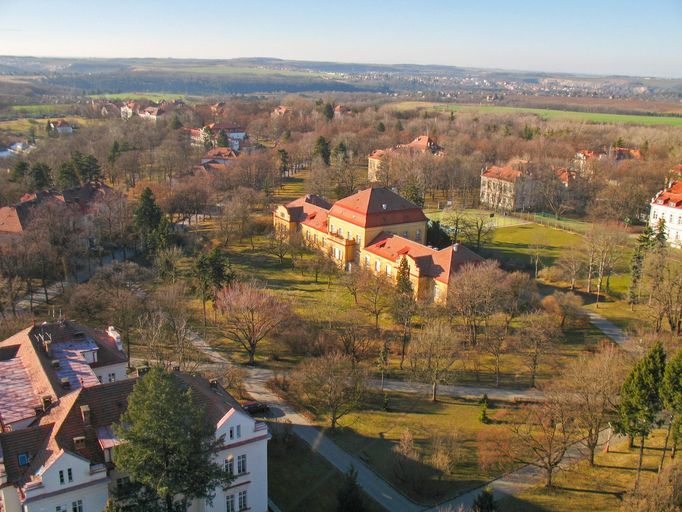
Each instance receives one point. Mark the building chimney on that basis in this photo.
(455, 247)
(47, 402)
(85, 414)
(213, 383)
(66, 384)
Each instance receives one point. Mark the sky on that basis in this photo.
(641, 38)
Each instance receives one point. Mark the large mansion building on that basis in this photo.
(507, 188)
(377, 158)
(666, 206)
(62, 388)
(374, 229)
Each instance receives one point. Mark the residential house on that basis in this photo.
(341, 111)
(61, 127)
(64, 460)
(584, 158)
(209, 134)
(14, 220)
(152, 113)
(420, 145)
(130, 109)
(219, 155)
(374, 229)
(666, 207)
(41, 364)
(507, 188)
(281, 111)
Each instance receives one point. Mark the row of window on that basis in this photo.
(111, 377)
(241, 502)
(69, 476)
(76, 506)
(235, 432)
(241, 465)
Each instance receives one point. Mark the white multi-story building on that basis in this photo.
(666, 206)
(56, 448)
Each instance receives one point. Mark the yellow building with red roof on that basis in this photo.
(374, 229)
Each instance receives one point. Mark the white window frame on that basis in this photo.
(243, 501)
(241, 464)
(229, 503)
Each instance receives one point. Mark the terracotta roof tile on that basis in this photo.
(374, 207)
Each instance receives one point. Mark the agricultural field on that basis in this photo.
(40, 109)
(151, 96)
(227, 70)
(589, 117)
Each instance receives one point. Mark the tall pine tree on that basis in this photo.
(349, 497)
(640, 399)
(169, 445)
(671, 393)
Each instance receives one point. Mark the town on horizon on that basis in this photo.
(315, 284)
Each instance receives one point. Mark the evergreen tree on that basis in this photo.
(86, 166)
(223, 140)
(328, 111)
(399, 126)
(283, 159)
(341, 153)
(349, 497)
(381, 127)
(412, 192)
(640, 399)
(67, 176)
(19, 171)
(484, 502)
(671, 393)
(660, 237)
(148, 218)
(322, 150)
(41, 176)
(211, 272)
(114, 153)
(169, 445)
(175, 123)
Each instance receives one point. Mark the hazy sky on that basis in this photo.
(597, 36)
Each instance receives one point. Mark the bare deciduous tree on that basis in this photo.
(330, 385)
(249, 314)
(433, 352)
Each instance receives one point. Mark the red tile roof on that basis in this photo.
(311, 210)
(671, 196)
(438, 264)
(503, 173)
(221, 153)
(375, 207)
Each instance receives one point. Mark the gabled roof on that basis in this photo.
(671, 196)
(106, 402)
(375, 207)
(300, 209)
(222, 153)
(434, 263)
(422, 144)
(503, 173)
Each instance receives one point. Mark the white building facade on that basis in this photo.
(666, 206)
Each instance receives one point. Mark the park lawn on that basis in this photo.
(543, 113)
(498, 219)
(582, 487)
(302, 480)
(292, 188)
(371, 434)
(513, 246)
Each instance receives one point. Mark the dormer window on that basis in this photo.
(79, 442)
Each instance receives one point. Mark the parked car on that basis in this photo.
(255, 407)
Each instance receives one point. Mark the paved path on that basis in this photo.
(607, 327)
(466, 392)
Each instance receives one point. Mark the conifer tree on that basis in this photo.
(349, 497)
(322, 150)
(223, 140)
(640, 399)
(66, 175)
(19, 171)
(671, 394)
(484, 502)
(404, 306)
(169, 446)
(41, 176)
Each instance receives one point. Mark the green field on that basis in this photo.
(590, 117)
(40, 108)
(224, 69)
(151, 96)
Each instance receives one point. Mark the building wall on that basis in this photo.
(373, 168)
(673, 222)
(118, 370)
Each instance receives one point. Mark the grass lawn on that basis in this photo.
(372, 433)
(582, 487)
(302, 480)
(498, 219)
(514, 246)
(590, 117)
